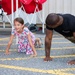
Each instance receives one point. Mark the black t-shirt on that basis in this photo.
(67, 27)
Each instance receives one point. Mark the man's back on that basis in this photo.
(68, 25)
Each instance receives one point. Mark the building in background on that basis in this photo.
(50, 6)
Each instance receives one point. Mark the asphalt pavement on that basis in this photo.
(62, 51)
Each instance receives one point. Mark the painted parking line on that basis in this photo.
(61, 56)
(55, 71)
(55, 38)
(52, 43)
(41, 37)
(59, 48)
(4, 44)
(13, 50)
(4, 59)
(27, 58)
(4, 38)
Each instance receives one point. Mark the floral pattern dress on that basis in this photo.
(23, 42)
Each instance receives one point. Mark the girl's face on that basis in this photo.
(18, 26)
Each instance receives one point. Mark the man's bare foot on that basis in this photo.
(71, 62)
(47, 59)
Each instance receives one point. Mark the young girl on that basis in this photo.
(26, 39)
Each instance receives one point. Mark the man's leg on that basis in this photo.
(72, 39)
(71, 62)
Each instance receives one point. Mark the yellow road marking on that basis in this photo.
(6, 44)
(52, 43)
(9, 50)
(21, 58)
(66, 69)
(3, 59)
(41, 37)
(61, 48)
(60, 42)
(56, 38)
(61, 56)
(55, 72)
(4, 38)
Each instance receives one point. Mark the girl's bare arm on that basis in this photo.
(9, 44)
(30, 41)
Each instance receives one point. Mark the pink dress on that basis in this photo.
(23, 43)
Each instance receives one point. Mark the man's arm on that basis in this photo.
(74, 34)
(48, 40)
(72, 62)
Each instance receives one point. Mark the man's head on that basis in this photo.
(53, 20)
